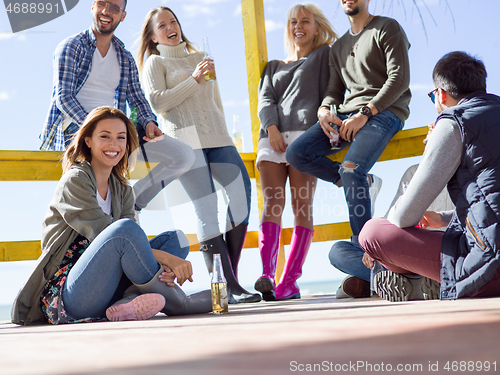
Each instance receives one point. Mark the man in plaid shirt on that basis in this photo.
(84, 80)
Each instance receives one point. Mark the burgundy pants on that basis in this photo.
(412, 250)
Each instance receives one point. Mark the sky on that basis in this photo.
(26, 86)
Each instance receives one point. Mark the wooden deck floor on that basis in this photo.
(316, 333)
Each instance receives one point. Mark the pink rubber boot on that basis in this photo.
(299, 246)
(269, 243)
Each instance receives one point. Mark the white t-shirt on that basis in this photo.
(106, 203)
(102, 82)
(104, 78)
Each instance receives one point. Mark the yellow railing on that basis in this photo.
(46, 166)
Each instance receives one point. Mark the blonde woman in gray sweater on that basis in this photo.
(190, 110)
(290, 93)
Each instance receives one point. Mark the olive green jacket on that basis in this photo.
(73, 210)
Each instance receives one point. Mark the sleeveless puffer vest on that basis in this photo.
(470, 253)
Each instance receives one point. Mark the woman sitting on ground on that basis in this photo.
(96, 261)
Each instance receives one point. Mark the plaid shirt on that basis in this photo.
(72, 65)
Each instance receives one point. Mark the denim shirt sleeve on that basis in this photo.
(69, 58)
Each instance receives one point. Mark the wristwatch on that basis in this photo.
(365, 110)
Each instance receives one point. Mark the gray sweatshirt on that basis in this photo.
(439, 163)
(371, 67)
(290, 94)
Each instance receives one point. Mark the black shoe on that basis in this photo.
(236, 293)
(394, 287)
(265, 286)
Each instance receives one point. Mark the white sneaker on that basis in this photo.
(340, 294)
(374, 189)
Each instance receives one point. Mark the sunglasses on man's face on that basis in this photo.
(112, 8)
(432, 95)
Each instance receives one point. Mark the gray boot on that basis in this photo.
(177, 303)
(235, 292)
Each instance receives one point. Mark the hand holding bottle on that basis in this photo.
(325, 117)
(153, 133)
(202, 69)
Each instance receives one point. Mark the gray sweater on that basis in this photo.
(371, 67)
(290, 94)
(439, 163)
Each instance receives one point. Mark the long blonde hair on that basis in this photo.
(146, 45)
(326, 34)
(78, 150)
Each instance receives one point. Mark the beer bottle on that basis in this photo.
(219, 288)
(133, 116)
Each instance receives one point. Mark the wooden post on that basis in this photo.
(256, 55)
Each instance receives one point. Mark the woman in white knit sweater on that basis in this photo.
(190, 110)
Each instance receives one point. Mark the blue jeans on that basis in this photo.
(120, 255)
(309, 154)
(173, 157)
(347, 257)
(224, 165)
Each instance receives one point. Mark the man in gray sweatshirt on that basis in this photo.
(462, 154)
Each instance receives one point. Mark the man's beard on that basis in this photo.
(105, 32)
(352, 12)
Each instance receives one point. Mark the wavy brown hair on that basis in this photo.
(326, 33)
(146, 45)
(78, 150)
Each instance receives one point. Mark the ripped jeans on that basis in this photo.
(309, 154)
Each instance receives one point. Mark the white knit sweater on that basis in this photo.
(188, 111)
